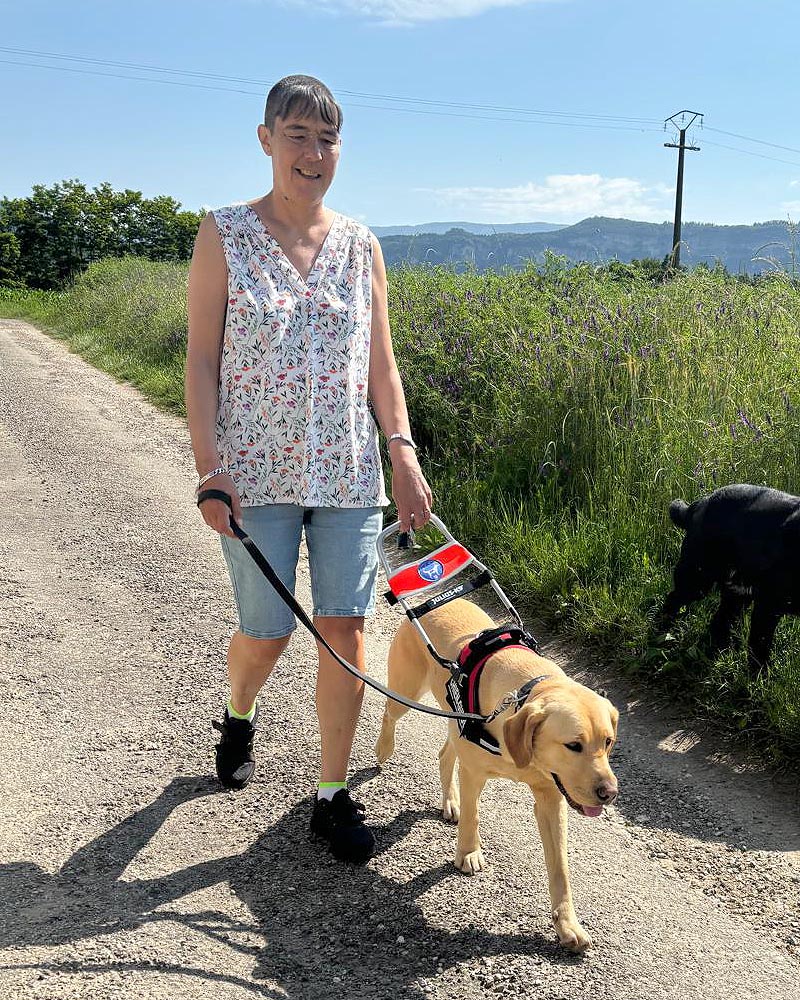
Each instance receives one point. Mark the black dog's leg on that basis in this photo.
(731, 607)
(763, 623)
(692, 581)
(670, 609)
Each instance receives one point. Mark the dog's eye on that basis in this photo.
(574, 747)
(609, 741)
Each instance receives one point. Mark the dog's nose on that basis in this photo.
(606, 791)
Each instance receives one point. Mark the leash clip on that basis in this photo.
(512, 698)
(406, 539)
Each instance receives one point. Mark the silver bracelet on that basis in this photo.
(209, 475)
(401, 437)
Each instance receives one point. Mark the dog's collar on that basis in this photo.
(521, 696)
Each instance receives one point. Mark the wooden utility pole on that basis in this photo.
(683, 127)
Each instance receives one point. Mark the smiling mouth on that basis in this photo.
(308, 175)
(592, 811)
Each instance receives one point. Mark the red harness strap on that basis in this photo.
(475, 670)
(462, 688)
(472, 659)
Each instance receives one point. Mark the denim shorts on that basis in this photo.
(342, 557)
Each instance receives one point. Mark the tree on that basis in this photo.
(61, 229)
(48, 227)
(9, 260)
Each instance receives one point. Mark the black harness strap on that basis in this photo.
(445, 597)
(468, 729)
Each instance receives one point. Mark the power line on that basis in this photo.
(122, 76)
(747, 138)
(359, 94)
(425, 106)
(749, 152)
(352, 104)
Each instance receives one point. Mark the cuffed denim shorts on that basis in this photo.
(342, 557)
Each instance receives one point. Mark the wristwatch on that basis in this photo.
(403, 438)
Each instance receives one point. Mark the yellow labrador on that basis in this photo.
(557, 743)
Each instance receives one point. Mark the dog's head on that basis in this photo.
(568, 733)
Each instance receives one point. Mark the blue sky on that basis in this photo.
(621, 67)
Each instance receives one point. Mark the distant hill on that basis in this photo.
(598, 240)
(468, 227)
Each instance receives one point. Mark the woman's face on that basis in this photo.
(305, 152)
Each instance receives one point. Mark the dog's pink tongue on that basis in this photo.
(592, 810)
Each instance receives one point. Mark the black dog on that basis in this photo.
(746, 540)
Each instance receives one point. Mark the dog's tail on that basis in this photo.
(679, 513)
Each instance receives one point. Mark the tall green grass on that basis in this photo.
(563, 411)
(559, 411)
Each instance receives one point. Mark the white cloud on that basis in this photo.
(398, 12)
(561, 198)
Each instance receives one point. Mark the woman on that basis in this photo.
(288, 340)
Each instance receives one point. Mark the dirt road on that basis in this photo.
(125, 870)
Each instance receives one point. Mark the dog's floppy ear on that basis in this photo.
(614, 719)
(520, 730)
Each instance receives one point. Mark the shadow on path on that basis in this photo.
(318, 918)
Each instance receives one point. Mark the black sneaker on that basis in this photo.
(340, 822)
(235, 759)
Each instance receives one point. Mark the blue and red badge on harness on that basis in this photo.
(435, 568)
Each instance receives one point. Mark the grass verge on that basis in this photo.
(559, 411)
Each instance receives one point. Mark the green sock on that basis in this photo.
(327, 789)
(238, 715)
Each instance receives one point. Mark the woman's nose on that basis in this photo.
(314, 149)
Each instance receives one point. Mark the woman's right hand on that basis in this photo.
(216, 513)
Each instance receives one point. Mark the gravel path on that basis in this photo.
(124, 868)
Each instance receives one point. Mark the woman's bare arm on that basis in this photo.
(208, 298)
(410, 491)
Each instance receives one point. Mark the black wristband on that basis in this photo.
(214, 495)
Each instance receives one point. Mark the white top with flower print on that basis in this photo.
(293, 425)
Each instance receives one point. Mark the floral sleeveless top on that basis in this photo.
(293, 424)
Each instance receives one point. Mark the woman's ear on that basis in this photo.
(520, 731)
(265, 138)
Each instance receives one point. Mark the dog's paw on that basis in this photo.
(451, 809)
(384, 748)
(572, 936)
(470, 862)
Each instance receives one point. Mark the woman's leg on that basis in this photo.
(339, 693)
(265, 624)
(250, 662)
(344, 563)
(336, 818)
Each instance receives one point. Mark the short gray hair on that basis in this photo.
(302, 95)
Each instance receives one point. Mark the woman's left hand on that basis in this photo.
(411, 494)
